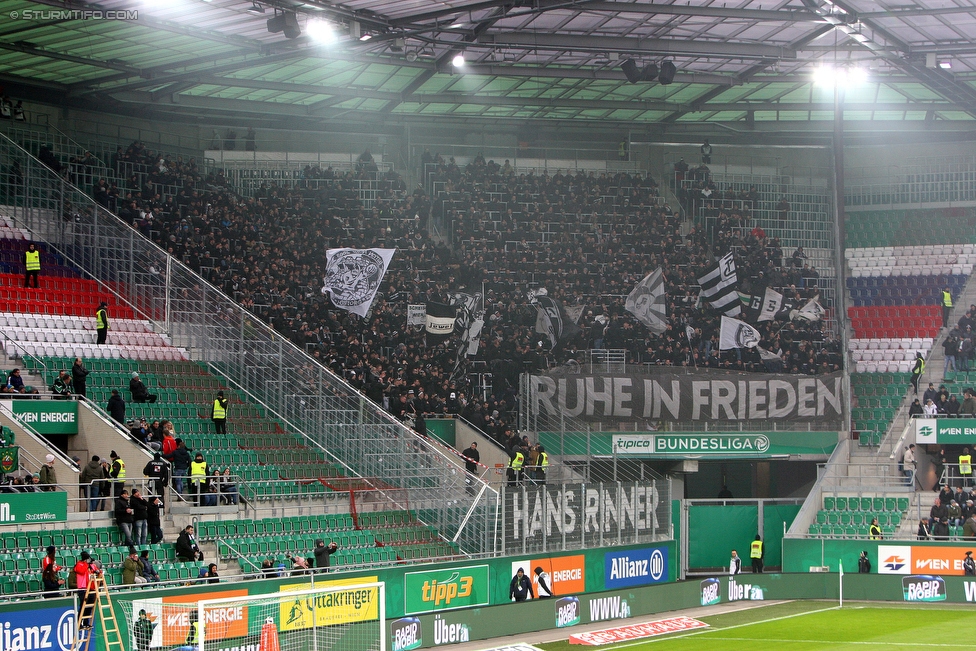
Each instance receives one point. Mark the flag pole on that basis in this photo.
(841, 579)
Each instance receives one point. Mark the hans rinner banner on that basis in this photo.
(700, 396)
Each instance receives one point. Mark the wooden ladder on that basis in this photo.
(97, 602)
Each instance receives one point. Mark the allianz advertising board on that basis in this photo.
(38, 629)
(635, 567)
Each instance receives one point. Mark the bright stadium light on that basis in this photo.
(321, 32)
(829, 76)
(458, 61)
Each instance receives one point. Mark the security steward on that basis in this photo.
(515, 467)
(946, 306)
(32, 265)
(158, 471)
(757, 552)
(101, 322)
(966, 467)
(219, 413)
(118, 474)
(198, 477)
(542, 466)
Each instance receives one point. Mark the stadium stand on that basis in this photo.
(849, 516)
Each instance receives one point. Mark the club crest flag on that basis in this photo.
(551, 320)
(737, 334)
(718, 286)
(352, 277)
(812, 311)
(771, 303)
(649, 303)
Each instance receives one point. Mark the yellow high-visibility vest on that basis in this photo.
(101, 319)
(543, 460)
(965, 464)
(218, 410)
(198, 471)
(33, 260)
(121, 476)
(946, 298)
(194, 635)
(516, 463)
(755, 549)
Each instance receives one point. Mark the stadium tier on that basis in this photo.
(850, 516)
(935, 226)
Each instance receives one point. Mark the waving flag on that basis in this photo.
(737, 334)
(648, 302)
(718, 286)
(352, 277)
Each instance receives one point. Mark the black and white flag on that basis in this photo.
(718, 286)
(440, 319)
(647, 302)
(737, 334)
(552, 320)
(771, 303)
(352, 277)
(812, 311)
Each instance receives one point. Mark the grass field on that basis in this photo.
(813, 625)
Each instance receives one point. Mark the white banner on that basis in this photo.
(416, 315)
(772, 302)
(737, 334)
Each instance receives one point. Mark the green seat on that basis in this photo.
(891, 504)
(903, 504)
(878, 504)
(845, 519)
(858, 520)
(853, 504)
(865, 504)
(840, 504)
(821, 517)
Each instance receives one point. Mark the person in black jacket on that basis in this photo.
(152, 520)
(186, 546)
(139, 391)
(323, 553)
(140, 516)
(79, 375)
(181, 465)
(158, 471)
(864, 563)
(124, 517)
(520, 588)
(116, 407)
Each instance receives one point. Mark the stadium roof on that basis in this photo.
(738, 61)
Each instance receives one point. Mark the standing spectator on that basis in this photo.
(946, 308)
(143, 632)
(169, 441)
(520, 588)
(105, 486)
(132, 568)
(101, 322)
(32, 265)
(158, 471)
(186, 546)
(181, 465)
(116, 407)
(62, 386)
(545, 586)
(864, 563)
(117, 473)
(123, 517)
(969, 565)
(139, 391)
(153, 520)
(966, 468)
(706, 153)
(471, 459)
(140, 515)
(218, 414)
(969, 527)
(79, 375)
(49, 475)
(81, 572)
(90, 479)
(968, 403)
(51, 574)
(149, 572)
(249, 139)
(949, 347)
(757, 553)
(735, 564)
(323, 553)
(917, 371)
(908, 463)
(541, 465)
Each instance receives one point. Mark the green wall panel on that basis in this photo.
(714, 531)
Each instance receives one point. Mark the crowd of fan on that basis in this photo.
(586, 238)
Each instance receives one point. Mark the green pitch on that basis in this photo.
(811, 626)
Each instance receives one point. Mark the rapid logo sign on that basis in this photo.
(576, 510)
(711, 592)
(894, 559)
(566, 573)
(339, 607)
(635, 567)
(405, 634)
(567, 612)
(425, 592)
(744, 591)
(924, 588)
(38, 629)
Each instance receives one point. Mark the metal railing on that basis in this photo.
(235, 343)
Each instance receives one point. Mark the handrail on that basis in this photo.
(7, 339)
